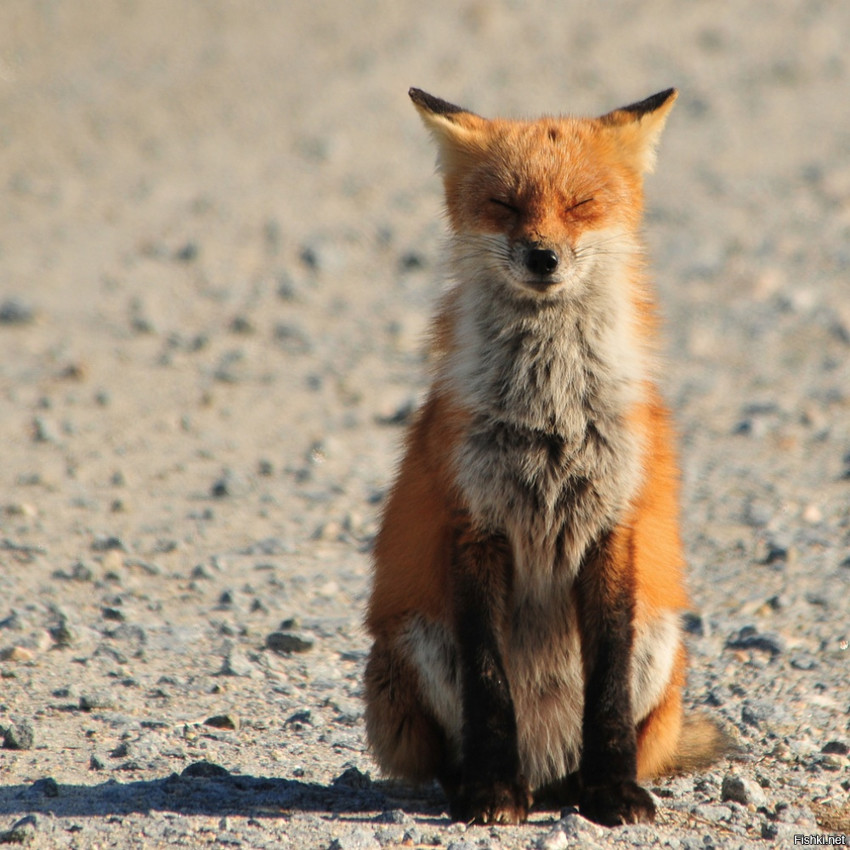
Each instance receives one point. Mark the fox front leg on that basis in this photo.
(610, 794)
(489, 787)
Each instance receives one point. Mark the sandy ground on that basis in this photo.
(219, 243)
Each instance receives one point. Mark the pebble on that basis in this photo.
(20, 735)
(287, 643)
(353, 777)
(63, 635)
(758, 713)
(229, 484)
(93, 700)
(108, 543)
(749, 637)
(292, 339)
(357, 839)
(14, 311)
(48, 786)
(223, 721)
(740, 789)
(22, 831)
(44, 431)
(695, 624)
(19, 654)
(572, 830)
(237, 663)
(205, 770)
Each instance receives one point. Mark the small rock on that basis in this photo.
(358, 839)
(758, 713)
(187, 253)
(772, 553)
(292, 339)
(351, 777)
(92, 700)
(47, 786)
(287, 643)
(43, 431)
(96, 763)
(23, 509)
(205, 769)
(298, 719)
(836, 748)
(81, 572)
(108, 544)
(223, 721)
(739, 789)
(241, 325)
(750, 638)
(220, 488)
(19, 736)
(63, 635)
(572, 830)
(19, 654)
(121, 751)
(22, 832)
(13, 311)
(236, 663)
(13, 621)
(226, 371)
(804, 661)
(695, 624)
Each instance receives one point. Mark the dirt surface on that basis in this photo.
(219, 247)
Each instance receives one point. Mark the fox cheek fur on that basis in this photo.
(528, 571)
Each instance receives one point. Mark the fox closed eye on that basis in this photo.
(505, 205)
(578, 204)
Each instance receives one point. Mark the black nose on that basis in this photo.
(541, 261)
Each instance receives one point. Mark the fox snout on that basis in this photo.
(541, 262)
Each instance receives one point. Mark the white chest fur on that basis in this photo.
(550, 457)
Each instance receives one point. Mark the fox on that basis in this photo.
(528, 572)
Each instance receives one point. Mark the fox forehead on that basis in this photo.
(544, 168)
(550, 155)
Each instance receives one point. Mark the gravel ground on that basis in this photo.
(219, 244)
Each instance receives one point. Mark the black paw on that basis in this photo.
(616, 804)
(495, 802)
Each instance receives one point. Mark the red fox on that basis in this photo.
(528, 584)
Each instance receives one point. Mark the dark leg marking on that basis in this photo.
(491, 789)
(609, 794)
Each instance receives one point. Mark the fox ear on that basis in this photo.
(637, 127)
(455, 129)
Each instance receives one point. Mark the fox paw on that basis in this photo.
(616, 804)
(495, 802)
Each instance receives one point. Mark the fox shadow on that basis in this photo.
(206, 789)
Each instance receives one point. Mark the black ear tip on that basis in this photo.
(433, 104)
(651, 103)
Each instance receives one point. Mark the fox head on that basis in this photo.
(541, 205)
